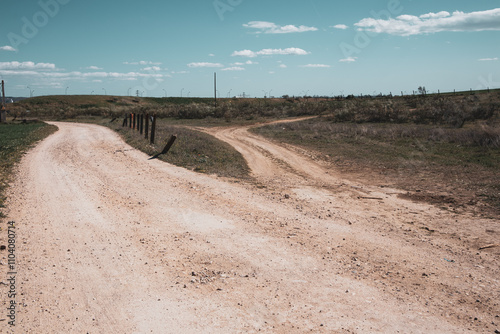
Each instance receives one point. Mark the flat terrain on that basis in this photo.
(111, 242)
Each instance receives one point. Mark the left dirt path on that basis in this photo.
(85, 206)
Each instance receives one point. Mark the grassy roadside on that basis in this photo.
(193, 149)
(15, 140)
(446, 166)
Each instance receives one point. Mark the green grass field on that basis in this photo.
(15, 140)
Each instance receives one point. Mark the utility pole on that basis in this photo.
(3, 112)
(215, 89)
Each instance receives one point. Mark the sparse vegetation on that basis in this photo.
(438, 109)
(15, 139)
(441, 109)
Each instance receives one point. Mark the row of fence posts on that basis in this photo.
(140, 122)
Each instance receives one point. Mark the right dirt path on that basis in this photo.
(429, 259)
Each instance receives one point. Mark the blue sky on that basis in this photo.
(314, 47)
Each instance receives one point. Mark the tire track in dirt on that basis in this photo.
(111, 242)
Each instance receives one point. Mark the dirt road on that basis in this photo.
(110, 242)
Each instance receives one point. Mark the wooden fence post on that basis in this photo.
(153, 130)
(146, 128)
(125, 121)
(169, 144)
(130, 121)
(133, 121)
(167, 147)
(141, 123)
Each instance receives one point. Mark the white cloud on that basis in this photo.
(93, 68)
(272, 28)
(348, 60)
(244, 53)
(39, 71)
(235, 68)
(27, 65)
(147, 62)
(316, 66)
(152, 68)
(46, 84)
(16, 72)
(203, 64)
(283, 66)
(113, 75)
(340, 26)
(248, 62)
(442, 14)
(7, 48)
(488, 59)
(288, 51)
(270, 52)
(407, 25)
(211, 55)
(142, 62)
